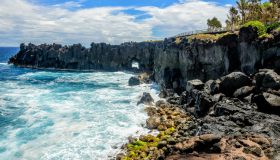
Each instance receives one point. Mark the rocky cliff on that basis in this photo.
(99, 56)
(172, 63)
(206, 59)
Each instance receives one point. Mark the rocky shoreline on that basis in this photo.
(234, 117)
(222, 95)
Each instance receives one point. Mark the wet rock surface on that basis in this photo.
(134, 81)
(146, 99)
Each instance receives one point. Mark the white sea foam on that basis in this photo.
(63, 115)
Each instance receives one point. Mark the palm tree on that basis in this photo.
(276, 8)
(254, 8)
(242, 6)
(233, 18)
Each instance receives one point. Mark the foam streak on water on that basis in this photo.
(66, 115)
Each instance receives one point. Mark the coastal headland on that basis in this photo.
(222, 92)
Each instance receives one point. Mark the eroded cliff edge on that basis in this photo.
(172, 63)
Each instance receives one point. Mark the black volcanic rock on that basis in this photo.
(233, 81)
(268, 103)
(146, 99)
(267, 79)
(172, 64)
(194, 84)
(133, 81)
(243, 91)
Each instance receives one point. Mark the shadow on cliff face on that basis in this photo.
(173, 79)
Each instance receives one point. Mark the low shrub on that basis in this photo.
(258, 25)
(272, 27)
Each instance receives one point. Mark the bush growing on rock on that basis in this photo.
(258, 25)
(272, 27)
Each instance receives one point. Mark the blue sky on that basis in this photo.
(110, 21)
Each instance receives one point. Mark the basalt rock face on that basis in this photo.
(204, 60)
(99, 56)
(173, 63)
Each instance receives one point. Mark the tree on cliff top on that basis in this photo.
(214, 24)
(242, 6)
(254, 10)
(233, 19)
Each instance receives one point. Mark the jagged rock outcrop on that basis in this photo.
(146, 99)
(99, 56)
(173, 64)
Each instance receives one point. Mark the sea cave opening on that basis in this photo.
(135, 64)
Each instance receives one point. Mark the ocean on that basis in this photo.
(58, 115)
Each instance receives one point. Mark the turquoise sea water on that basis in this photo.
(66, 115)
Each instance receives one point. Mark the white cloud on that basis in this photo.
(70, 4)
(189, 15)
(24, 21)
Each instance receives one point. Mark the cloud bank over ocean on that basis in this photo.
(72, 22)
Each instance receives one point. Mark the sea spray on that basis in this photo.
(63, 115)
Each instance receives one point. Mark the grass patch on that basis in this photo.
(207, 37)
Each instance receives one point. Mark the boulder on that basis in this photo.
(268, 102)
(162, 94)
(267, 78)
(133, 81)
(203, 102)
(212, 87)
(194, 84)
(146, 99)
(218, 97)
(183, 98)
(243, 91)
(153, 122)
(233, 81)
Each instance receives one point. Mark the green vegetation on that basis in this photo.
(272, 27)
(214, 24)
(137, 149)
(246, 11)
(266, 35)
(256, 24)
